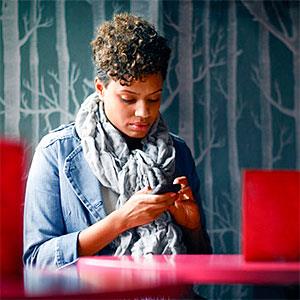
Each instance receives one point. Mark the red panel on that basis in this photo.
(11, 200)
(271, 213)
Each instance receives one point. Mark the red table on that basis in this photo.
(204, 269)
(160, 275)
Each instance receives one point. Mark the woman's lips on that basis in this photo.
(139, 126)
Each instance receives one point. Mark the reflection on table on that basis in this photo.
(150, 276)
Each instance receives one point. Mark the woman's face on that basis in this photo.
(132, 109)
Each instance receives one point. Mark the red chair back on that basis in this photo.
(271, 215)
(12, 171)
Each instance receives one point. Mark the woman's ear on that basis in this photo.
(99, 86)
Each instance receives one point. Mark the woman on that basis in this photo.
(90, 183)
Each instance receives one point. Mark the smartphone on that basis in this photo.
(166, 188)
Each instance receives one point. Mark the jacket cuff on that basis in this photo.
(66, 250)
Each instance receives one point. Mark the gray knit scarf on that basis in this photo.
(126, 172)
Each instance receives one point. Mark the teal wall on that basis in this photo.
(232, 90)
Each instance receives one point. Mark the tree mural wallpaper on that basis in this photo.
(232, 90)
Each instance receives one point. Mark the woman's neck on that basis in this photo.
(132, 143)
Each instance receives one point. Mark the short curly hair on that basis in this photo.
(129, 48)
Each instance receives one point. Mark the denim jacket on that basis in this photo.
(63, 197)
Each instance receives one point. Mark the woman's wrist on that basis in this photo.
(119, 220)
(97, 236)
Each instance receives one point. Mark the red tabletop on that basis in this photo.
(206, 269)
(160, 275)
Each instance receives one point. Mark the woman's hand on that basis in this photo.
(140, 209)
(144, 207)
(185, 211)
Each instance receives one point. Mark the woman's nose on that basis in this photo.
(142, 109)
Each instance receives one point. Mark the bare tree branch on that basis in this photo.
(54, 76)
(282, 26)
(203, 71)
(255, 76)
(213, 143)
(276, 103)
(240, 108)
(219, 46)
(195, 32)
(220, 88)
(74, 76)
(86, 91)
(257, 9)
(215, 60)
(222, 215)
(47, 120)
(38, 24)
(88, 83)
(284, 140)
(167, 102)
(171, 23)
(52, 104)
(256, 121)
(198, 52)
(279, 106)
(202, 154)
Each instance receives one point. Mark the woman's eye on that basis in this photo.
(154, 100)
(127, 100)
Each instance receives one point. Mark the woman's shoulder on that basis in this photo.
(179, 143)
(184, 161)
(183, 152)
(176, 138)
(63, 133)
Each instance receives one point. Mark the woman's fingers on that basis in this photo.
(182, 181)
(143, 207)
(144, 197)
(185, 193)
(144, 190)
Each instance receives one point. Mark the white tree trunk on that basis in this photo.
(185, 67)
(98, 9)
(140, 8)
(34, 75)
(155, 9)
(12, 67)
(149, 10)
(63, 59)
(234, 171)
(265, 107)
(208, 176)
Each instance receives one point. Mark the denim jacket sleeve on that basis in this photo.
(46, 241)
